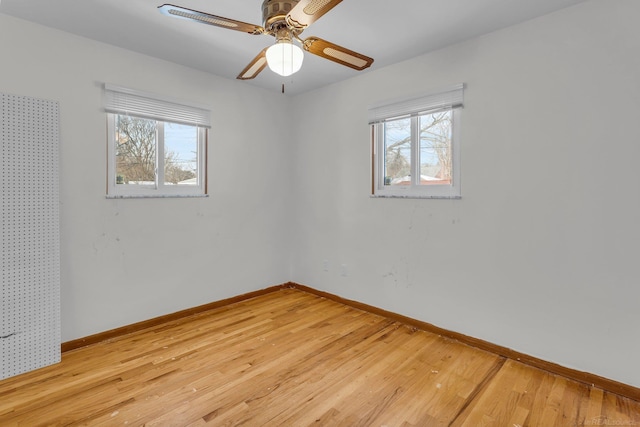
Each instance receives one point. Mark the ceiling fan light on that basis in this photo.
(284, 58)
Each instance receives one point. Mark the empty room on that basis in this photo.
(320, 212)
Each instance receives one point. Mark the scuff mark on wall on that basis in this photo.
(398, 275)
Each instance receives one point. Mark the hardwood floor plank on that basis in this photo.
(525, 396)
(308, 375)
(290, 358)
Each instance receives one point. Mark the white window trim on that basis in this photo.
(450, 98)
(158, 189)
(135, 103)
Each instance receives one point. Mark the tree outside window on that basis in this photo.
(434, 154)
(137, 152)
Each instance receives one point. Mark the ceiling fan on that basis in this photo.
(285, 20)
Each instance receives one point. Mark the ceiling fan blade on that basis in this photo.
(306, 12)
(255, 66)
(205, 18)
(336, 53)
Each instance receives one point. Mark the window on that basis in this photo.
(416, 146)
(156, 147)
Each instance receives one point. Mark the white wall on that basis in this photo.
(125, 261)
(541, 253)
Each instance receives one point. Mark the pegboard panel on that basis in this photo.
(30, 328)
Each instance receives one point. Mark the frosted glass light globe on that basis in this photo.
(284, 58)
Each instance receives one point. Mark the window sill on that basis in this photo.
(412, 196)
(155, 196)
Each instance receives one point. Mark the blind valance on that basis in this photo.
(122, 100)
(451, 97)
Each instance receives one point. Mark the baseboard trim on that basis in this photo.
(606, 384)
(135, 327)
(593, 380)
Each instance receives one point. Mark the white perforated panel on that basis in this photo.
(30, 328)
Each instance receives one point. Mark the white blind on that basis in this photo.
(451, 97)
(122, 100)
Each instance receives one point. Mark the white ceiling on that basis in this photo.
(389, 31)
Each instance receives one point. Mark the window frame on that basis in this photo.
(161, 109)
(445, 100)
(159, 188)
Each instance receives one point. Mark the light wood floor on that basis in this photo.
(290, 358)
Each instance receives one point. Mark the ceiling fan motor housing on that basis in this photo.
(274, 13)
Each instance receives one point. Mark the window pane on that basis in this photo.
(435, 148)
(397, 152)
(181, 154)
(135, 151)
